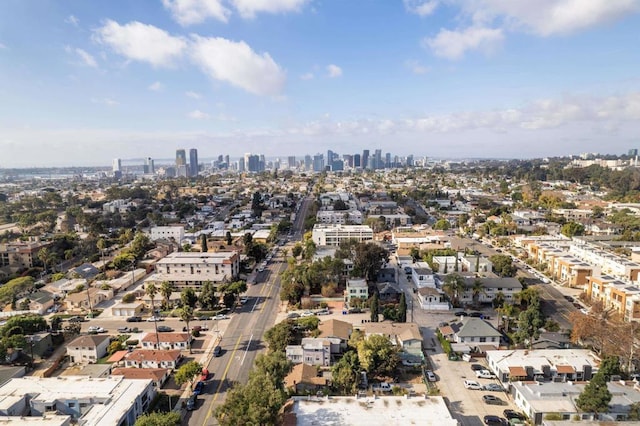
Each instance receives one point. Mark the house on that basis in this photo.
(388, 292)
(304, 378)
(127, 309)
(87, 299)
(336, 329)
(38, 302)
(314, 351)
(432, 299)
(158, 375)
(422, 275)
(86, 271)
(507, 286)
(386, 275)
(405, 336)
(537, 400)
(179, 341)
(476, 333)
(356, 289)
(88, 349)
(151, 358)
(544, 364)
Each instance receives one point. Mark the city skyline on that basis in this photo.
(84, 83)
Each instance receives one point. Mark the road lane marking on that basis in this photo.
(246, 350)
(223, 379)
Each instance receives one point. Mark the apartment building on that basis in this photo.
(333, 235)
(339, 217)
(193, 269)
(15, 256)
(109, 401)
(616, 294)
(167, 233)
(356, 289)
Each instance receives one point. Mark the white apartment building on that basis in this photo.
(333, 235)
(609, 263)
(340, 217)
(167, 233)
(108, 401)
(192, 269)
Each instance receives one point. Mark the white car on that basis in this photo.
(485, 374)
(95, 329)
(430, 376)
(472, 384)
(382, 387)
(307, 314)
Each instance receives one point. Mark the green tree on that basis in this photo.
(275, 364)
(203, 243)
(229, 239)
(166, 288)
(189, 297)
(346, 373)
(442, 224)
(171, 418)
(187, 373)
(186, 315)
(114, 347)
(453, 287)
(595, 397)
(402, 308)
(503, 265)
(129, 298)
(296, 250)
(477, 289)
(571, 229)
(151, 290)
(368, 260)
(374, 306)
(377, 355)
(207, 297)
(101, 244)
(28, 324)
(529, 323)
(279, 336)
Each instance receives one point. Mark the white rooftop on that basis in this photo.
(387, 410)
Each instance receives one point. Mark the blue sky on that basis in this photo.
(84, 82)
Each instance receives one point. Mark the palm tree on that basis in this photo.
(166, 288)
(43, 255)
(186, 315)
(151, 290)
(453, 286)
(476, 290)
(507, 311)
(101, 244)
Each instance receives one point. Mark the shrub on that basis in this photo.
(129, 298)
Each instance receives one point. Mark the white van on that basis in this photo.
(466, 357)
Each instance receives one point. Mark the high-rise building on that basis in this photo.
(318, 163)
(181, 158)
(337, 165)
(116, 167)
(387, 160)
(291, 161)
(226, 160)
(377, 162)
(409, 160)
(308, 162)
(356, 161)
(241, 165)
(347, 160)
(365, 159)
(633, 152)
(193, 162)
(149, 166)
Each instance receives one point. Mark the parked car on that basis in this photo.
(491, 400)
(154, 319)
(307, 314)
(217, 351)
(475, 314)
(472, 384)
(244, 299)
(76, 319)
(493, 387)
(293, 315)
(204, 318)
(461, 314)
(199, 388)
(494, 421)
(381, 387)
(221, 317)
(512, 414)
(204, 375)
(134, 319)
(96, 329)
(124, 330)
(191, 402)
(323, 312)
(164, 329)
(485, 374)
(477, 367)
(430, 376)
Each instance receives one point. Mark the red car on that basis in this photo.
(204, 375)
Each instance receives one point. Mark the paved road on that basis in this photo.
(243, 338)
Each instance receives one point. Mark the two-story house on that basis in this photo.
(356, 289)
(88, 349)
(179, 341)
(151, 358)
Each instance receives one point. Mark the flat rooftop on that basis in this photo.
(386, 410)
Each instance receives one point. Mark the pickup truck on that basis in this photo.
(381, 387)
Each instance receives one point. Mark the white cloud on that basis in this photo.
(198, 115)
(416, 67)
(237, 64)
(334, 71)
(249, 8)
(72, 20)
(141, 42)
(86, 58)
(156, 86)
(549, 17)
(105, 101)
(421, 7)
(307, 76)
(189, 12)
(454, 44)
(193, 95)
